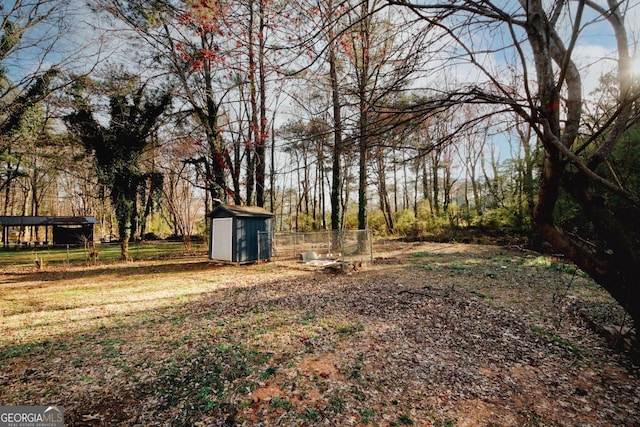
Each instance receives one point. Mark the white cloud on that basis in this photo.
(593, 61)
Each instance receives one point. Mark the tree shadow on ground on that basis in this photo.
(120, 269)
(400, 328)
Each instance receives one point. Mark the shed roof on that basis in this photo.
(240, 211)
(34, 221)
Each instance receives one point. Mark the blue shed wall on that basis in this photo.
(246, 239)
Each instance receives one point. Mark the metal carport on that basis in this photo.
(73, 230)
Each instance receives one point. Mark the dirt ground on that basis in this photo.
(428, 335)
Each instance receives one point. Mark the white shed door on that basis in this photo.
(222, 236)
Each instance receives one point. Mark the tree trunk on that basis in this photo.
(124, 249)
(123, 214)
(362, 173)
(362, 72)
(435, 184)
(336, 170)
(250, 178)
(147, 212)
(262, 130)
(383, 194)
(272, 169)
(253, 132)
(614, 262)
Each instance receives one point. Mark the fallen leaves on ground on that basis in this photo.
(429, 334)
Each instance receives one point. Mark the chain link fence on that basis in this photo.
(346, 246)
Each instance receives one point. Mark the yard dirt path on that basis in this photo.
(429, 335)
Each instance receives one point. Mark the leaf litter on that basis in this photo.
(429, 334)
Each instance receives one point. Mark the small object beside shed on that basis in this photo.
(234, 234)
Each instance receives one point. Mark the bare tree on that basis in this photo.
(183, 206)
(539, 39)
(42, 43)
(336, 165)
(306, 145)
(25, 28)
(470, 149)
(317, 30)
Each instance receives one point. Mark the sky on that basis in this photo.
(84, 31)
(70, 39)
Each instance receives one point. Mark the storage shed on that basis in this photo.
(235, 233)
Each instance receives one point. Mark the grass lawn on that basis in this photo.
(431, 334)
(107, 252)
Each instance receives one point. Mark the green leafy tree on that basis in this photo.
(118, 149)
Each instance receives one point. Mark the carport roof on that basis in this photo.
(35, 221)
